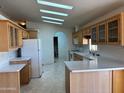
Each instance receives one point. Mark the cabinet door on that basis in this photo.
(25, 35)
(11, 36)
(94, 34)
(20, 41)
(80, 36)
(33, 34)
(16, 37)
(113, 31)
(102, 33)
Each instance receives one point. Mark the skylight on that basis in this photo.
(54, 4)
(53, 12)
(52, 22)
(51, 18)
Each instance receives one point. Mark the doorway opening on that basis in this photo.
(60, 47)
(55, 42)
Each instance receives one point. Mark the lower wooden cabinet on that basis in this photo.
(9, 82)
(25, 73)
(77, 57)
(94, 82)
(118, 81)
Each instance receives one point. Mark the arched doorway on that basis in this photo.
(60, 46)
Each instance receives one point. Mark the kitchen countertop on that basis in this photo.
(11, 68)
(21, 59)
(99, 63)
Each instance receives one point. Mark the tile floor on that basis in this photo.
(52, 80)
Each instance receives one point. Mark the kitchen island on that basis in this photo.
(100, 75)
(10, 78)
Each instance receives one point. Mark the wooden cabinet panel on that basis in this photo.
(25, 35)
(94, 34)
(113, 26)
(86, 35)
(20, 41)
(77, 57)
(33, 34)
(102, 33)
(10, 82)
(24, 75)
(77, 38)
(118, 81)
(88, 82)
(26, 72)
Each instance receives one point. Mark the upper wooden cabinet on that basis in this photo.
(102, 32)
(10, 36)
(107, 31)
(33, 34)
(25, 34)
(114, 29)
(86, 35)
(94, 34)
(77, 37)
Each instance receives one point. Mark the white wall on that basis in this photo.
(62, 45)
(114, 12)
(6, 56)
(112, 51)
(46, 34)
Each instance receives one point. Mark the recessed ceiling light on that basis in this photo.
(51, 18)
(53, 12)
(52, 22)
(54, 4)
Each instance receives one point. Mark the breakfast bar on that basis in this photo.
(99, 75)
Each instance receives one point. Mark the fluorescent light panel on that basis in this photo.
(51, 18)
(54, 4)
(52, 22)
(53, 12)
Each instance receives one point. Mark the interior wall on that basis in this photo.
(62, 45)
(112, 51)
(6, 56)
(46, 34)
(109, 14)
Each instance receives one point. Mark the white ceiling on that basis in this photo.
(83, 11)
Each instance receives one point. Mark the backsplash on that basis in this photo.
(112, 51)
(82, 48)
(5, 56)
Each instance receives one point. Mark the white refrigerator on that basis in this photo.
(31, 48)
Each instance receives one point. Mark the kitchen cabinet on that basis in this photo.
(102, 32)
(20, 43)
(77, 38)
(10, 78)
(25, 73)
(113, 25)
(77, 57)
(25, 34)
(88, 82)
(33, 34)
(108, 31)
(10, 36)
(118, 81)
(107, 81)
(94, 34)
(86, 35)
